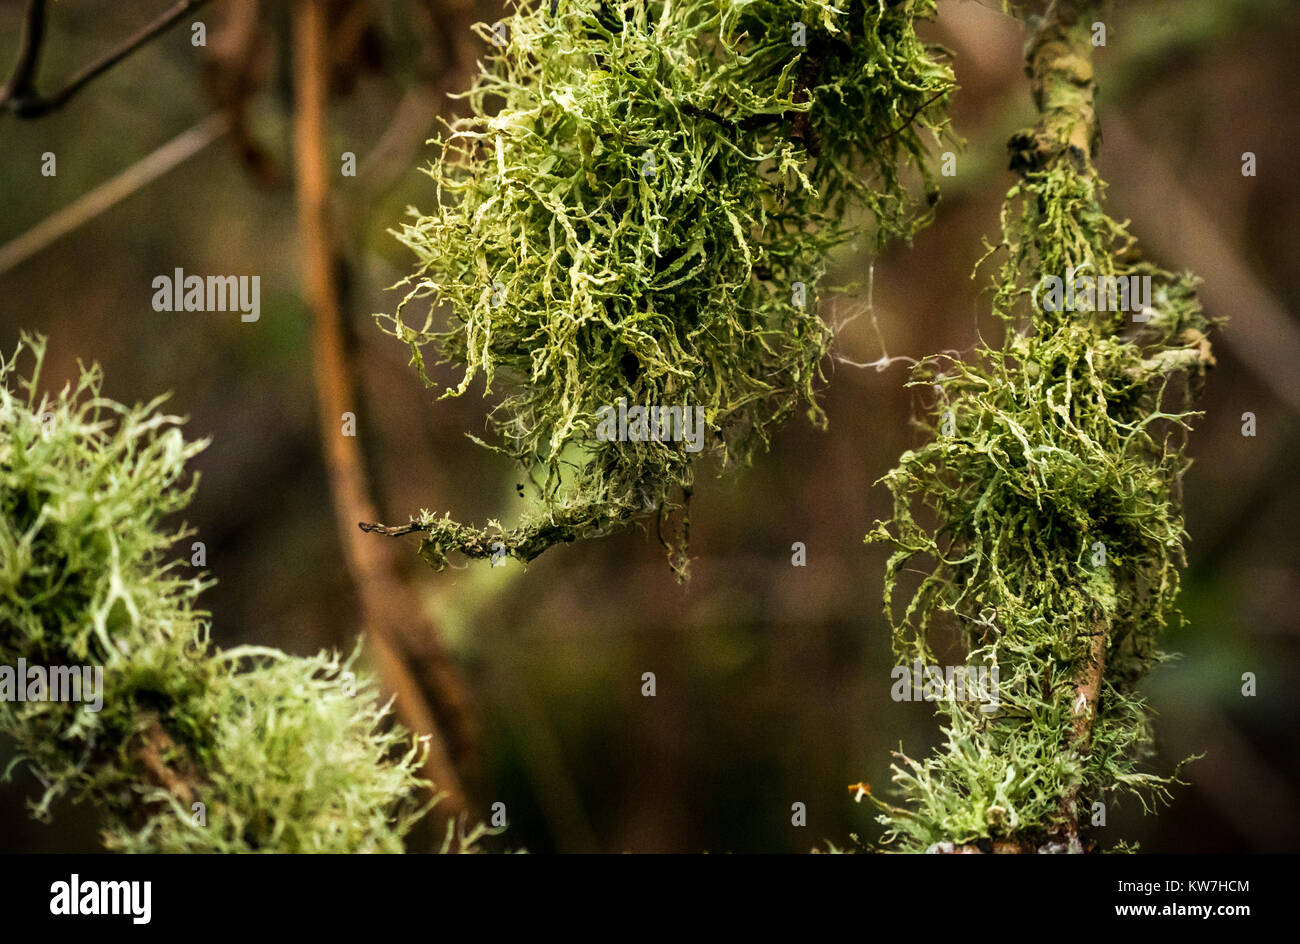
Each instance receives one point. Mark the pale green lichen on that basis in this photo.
(1044, 510)
(285, 754)
(625, 213)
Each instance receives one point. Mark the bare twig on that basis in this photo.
(234, 70)
(85, 208)
(446, 67)
(907, 122)
(1264, 334)
(392, 531)
(20, 96)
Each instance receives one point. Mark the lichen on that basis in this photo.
(1044, 513)
(626, 212)
(284, 754)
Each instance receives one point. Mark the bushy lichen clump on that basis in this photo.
(1055, 500)
(286, 754)
(640, 206)
(1045, 513)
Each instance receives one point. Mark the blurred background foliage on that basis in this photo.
(773, 680)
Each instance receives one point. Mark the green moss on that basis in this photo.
(286, 754)
(625, 212)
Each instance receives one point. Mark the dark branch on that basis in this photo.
(20, 96)
(393, 531)
(21, 83)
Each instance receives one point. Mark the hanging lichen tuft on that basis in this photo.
(637, 213)
(1045, 513)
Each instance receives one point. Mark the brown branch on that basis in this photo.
(234, 70)
(448, 63)
(386, 609)
(392, 531)
(1087, 687)
(165, 764)
(21, 98)
(809, 69)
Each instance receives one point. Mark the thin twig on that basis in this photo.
(88, 206)
(1264, 335)
(446, 67)
(380, 590)
(907, 122)
(20, 96)
(391, 531)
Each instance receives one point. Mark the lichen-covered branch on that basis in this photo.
(182, 746)
(1059, 66)
(1053, 479)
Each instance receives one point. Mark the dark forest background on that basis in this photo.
(773, 681)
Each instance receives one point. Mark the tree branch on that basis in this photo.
(166, 765)
(108, 194)
(1059, 65)
(22, 81)
(20, 95)
(1058, 62)
(384, 612)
